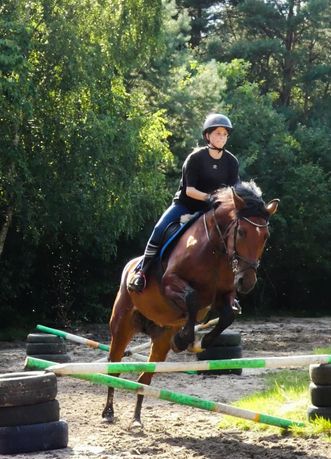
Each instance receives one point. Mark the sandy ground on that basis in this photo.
(173, 430)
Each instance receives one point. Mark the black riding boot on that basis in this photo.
(137, 282)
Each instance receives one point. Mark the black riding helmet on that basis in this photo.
(214, 121)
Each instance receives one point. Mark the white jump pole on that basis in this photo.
(204, 365)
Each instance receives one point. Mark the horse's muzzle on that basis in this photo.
(244, 282)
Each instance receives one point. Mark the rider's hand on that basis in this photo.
(209, 202)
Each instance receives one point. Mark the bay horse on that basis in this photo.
(216, 257)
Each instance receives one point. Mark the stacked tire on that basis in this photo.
(47, 347)
(30, 414)
(320, 392)
(226, 346)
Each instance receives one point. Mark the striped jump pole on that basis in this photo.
(156, 367)
(133, 352)
(74, 338)
(205, 326)
(175, 397)
(104, 347)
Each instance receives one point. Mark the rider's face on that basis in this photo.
(218, 137)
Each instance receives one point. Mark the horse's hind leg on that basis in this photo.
(122, 329)
(161, 345)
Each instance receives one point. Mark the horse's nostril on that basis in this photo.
(239, 284)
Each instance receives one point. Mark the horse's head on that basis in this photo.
(246, 233)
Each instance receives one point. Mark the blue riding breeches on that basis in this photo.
(172, 214)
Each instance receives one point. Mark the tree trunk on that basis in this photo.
(288, 65)
(197, 27)
(5, 228)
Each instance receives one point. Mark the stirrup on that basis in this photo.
(137, 282)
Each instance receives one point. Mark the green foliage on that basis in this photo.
(285, 395)
(176, 81)
(83, 160)
(200, 17)
(287, 44)
(100, 102)
(323, 350)
(266, 149)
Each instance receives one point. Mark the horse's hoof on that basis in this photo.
(177, 345)
(136, 425)
(108, 420)
(108, 416)
(174, 348)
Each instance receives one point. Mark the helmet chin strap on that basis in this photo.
(212, 147)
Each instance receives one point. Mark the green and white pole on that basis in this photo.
(94, 344)
(204, 365)
(133, 352)
(175, 397)
(74, 338)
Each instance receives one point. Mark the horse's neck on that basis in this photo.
(223, 216)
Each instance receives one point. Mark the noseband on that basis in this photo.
(234, 258)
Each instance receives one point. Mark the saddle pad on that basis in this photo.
(171, 235)
(169, 241)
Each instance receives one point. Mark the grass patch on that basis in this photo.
(323, 350)
(286, 396)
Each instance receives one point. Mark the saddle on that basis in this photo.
(171, 235)
(173, 231)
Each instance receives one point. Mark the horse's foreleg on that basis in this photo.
(186, 335)
(122, 330)
(108, 411)
(158, 353)
(226, 314)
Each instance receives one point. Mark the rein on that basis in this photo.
(235, 257)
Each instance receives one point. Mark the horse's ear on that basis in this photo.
(238, 201)
(272, 206)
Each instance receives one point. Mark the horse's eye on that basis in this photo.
(241, 232)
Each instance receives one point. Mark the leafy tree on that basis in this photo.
(178, 83)
(287, 43)
(83, 160)
(295, 168)
(94, 95)
(200, 16)
(15, 107)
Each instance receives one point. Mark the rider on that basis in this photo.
(205, 170)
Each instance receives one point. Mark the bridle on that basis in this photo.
(234, 256)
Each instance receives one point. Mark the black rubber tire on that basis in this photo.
(27, 388)
(320, 374)
(320, 395)
(30, 414)
(234, 371)
(46, 348)
(227, 338)
(318, 411)
(58, 358)
(221, 353)
(43, 338)
(34, 437)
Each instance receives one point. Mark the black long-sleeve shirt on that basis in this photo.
(206, 174)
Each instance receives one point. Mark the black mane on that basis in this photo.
(252, 195)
